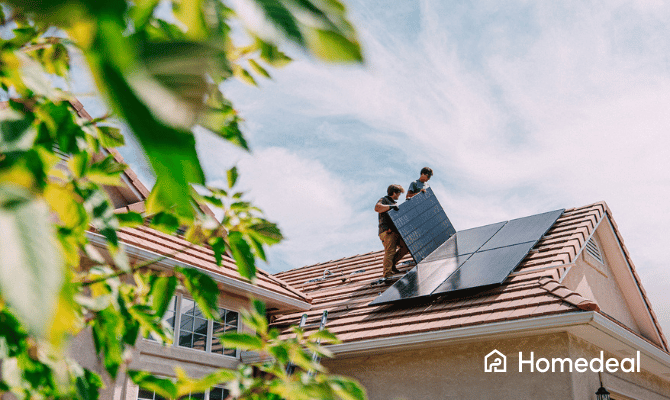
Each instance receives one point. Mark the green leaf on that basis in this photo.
(232, 133)
(189, 12)
(142, 11)
(324, 335)
(164, 222)
(232, 177)
(31, 266)
(170, 151)
(241, 341)
(347, 388)
(218, 245)
(241, 252)
(108, 329)
(276, 13)
(271, 54)
(129, 219)
(89, 385)
(110, 136)
(204, 290)
(16, 133)
(332, 46)
(106, 171)
(163, 387)
(244, 75)
(162, 290)
(258, 69)
(267, 232)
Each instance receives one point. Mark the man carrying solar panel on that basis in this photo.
(394, 247)
(421, 184)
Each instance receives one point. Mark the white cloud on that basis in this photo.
(312, 206)
(519, 109)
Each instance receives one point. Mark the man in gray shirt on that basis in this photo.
(421, 184)
(394, 247)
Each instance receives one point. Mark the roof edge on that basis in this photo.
(496, 329)
(235, 285)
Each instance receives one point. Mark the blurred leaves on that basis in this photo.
(161, 78)
(31, 266)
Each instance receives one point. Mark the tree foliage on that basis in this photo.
(160, 66)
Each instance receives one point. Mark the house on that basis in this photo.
(574, 300)
(575, 295)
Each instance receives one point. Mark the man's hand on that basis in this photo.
(394, 207)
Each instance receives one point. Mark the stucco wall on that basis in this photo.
(642, 385)
(597, 282)
(457, 371)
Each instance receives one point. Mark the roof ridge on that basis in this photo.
(569, 296)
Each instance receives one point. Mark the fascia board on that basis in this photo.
(234, 285)
(644, 304)
(546, 324)
(629, 338)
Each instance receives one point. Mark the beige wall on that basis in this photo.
(595, 281)
(457, 372)
(642, 386)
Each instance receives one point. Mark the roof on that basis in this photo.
(185, 252)
(532, 290)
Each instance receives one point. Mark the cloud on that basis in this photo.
(519, 109)
(312, 206)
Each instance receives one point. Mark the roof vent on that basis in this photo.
(594, 250)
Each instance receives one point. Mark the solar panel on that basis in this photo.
(521, 230)
(485, 268)
(472, 258)
(423, 224)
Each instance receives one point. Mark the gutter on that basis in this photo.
(497, 329)
(610, 328)
(235, 285)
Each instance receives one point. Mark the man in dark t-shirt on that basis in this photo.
(394, 247)
(421, 184)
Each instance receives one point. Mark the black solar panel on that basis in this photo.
(485, 268)
(521, 230)
(472, 258)
(423, 224)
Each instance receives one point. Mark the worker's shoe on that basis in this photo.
(395, 270)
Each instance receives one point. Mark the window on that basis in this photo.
(144, 394)
(192, 330)
(193, 326)
(218, 393)
(215, 393)
(228, 324)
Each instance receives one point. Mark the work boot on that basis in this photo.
(395, 270)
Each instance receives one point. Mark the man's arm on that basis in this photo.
(380, 208)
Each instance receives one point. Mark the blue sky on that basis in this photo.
(519, 108)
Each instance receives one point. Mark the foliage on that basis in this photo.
(161, 72)
(269, 379)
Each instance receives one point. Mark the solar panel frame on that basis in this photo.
(521, 230)
(422, 224)
(464, 262)
(485, 268)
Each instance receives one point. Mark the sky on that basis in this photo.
(519, 107)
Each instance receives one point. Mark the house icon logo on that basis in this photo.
(495, 361)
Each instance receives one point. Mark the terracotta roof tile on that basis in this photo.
(203, 257)
(531, 292)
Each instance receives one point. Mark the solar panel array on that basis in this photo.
(423, 224)
(472, 258)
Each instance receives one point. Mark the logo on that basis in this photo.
(495, 361)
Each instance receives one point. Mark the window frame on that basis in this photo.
(176, 328)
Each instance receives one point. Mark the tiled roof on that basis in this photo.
(532, 290)
(203, 257)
